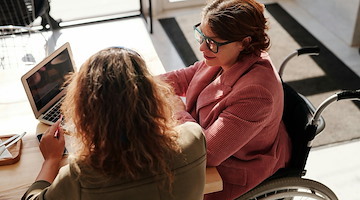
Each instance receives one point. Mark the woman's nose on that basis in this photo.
(203, 46)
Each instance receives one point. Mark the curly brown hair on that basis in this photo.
(122, 114)
(234, 20)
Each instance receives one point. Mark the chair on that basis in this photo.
(297, 116)
(22, 44)
(25, 12)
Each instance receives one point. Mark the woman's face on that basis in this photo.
(226, 56)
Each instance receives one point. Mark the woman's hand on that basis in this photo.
(52, 147)
(52, 143)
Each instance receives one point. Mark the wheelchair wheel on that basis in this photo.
(290, 188)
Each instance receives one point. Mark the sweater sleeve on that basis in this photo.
(35, 191)
(64, 186)
(180, 79)
(238, 123)
(184, 116)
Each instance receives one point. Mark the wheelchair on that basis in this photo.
(303, 122)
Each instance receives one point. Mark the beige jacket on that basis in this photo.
(188, 183)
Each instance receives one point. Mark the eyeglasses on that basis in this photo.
(210, 43)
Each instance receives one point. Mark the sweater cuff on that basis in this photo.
(36, 188)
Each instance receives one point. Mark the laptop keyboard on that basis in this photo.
(54, 113)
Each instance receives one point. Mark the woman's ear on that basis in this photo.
(246, 41)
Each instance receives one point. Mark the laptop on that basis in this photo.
(44, 84)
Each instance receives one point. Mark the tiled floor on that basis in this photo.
(349, 55)
(336, 166)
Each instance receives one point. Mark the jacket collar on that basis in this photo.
(223, 84)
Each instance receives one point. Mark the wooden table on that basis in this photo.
(16, 117)
(213, 182)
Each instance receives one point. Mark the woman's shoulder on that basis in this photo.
(191, 139)
(261, 59)
(257, 69)
(190, 131)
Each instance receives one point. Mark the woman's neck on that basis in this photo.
(219, 73)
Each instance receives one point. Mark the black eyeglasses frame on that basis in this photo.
(207, 39)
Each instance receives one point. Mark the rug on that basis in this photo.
(316, 77)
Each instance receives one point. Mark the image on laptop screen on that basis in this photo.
(48, 81)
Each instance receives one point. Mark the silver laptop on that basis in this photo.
(44, 84)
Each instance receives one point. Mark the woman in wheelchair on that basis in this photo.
(236, 95)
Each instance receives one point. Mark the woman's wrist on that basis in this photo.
(49, 170)
(54, 162)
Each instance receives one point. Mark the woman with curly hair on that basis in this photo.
(236, 95)
(129, 146)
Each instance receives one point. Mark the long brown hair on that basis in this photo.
(234, 20)
(122, 115)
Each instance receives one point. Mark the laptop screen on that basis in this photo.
(48, 81)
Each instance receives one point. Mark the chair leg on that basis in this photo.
(47, 19)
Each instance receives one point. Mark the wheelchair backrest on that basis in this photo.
(297, 115)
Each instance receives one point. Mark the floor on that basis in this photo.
(335, 166)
